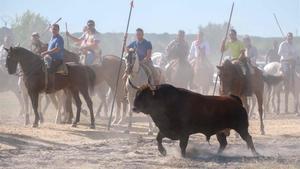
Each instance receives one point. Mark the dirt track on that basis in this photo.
(60, 146)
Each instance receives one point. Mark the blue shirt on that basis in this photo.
(141, 48)
(57, 41)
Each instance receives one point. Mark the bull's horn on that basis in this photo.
(132, 85)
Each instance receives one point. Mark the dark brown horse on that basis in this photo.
(79, 79)
(232, 81)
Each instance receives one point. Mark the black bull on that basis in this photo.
(178, 113)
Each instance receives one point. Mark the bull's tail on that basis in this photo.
(272, 80)
(237, 98)
(91, 78)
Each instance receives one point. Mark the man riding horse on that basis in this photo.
(238, 56)
(177, 53)
(89, 43)
(143, 49)
(288, 58)
(54, 56)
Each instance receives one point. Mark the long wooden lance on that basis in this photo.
(222, 53)
(119, 71)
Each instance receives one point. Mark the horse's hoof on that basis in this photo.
(127, 132)
(93, 126)
(84, 112)
(263, 133)
(35, 125)
(74, 125)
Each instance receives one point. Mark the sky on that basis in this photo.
(253, 17)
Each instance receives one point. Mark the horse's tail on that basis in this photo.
(237, 98)
(92, 78)
(272, 80)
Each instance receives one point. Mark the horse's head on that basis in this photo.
(12, 60)
(132, 62)
(226, 74)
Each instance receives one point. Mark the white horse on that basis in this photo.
(136, 75)
(273, 91)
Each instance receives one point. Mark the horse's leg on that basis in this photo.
(123, 115)
(25, 97)
(47, 103)
(130, 99)
(40, 108)
(76, 97)
(34, 96)
(57, 105)
(68, 107)
(253, 101)
(100, 105)
(117, 116)
(259, 97)
(88, 100)
(278, 92)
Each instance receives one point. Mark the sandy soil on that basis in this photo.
(60, 146)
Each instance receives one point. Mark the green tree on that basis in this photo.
(29, 22)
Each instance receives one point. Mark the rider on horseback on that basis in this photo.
(178, 48)
(37, 45)
(143, 49)
(200, 50)
(89, 43)
(288, 54)
(54, 56)
(238, 56)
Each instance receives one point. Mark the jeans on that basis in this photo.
(52, 64)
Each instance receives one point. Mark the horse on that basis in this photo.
(57, 98)
(273, 68)
(137, 75)
(78, 80)
(232, 81)
(179, 73)
(203, 74)
(106, 74)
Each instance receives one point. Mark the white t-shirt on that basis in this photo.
(199, 48)
(287, 51)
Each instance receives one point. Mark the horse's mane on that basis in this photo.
(25, 52)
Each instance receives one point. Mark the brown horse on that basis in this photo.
(79, 79)
(232, 81)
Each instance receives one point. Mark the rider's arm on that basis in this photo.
(75, 39)
(149, 51)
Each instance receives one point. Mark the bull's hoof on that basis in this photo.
(162, 151)
(93, 126)
(35, 125)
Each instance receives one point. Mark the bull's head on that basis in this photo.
(144, 97)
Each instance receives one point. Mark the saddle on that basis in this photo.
(62, 69)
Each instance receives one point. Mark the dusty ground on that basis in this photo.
(60, 146)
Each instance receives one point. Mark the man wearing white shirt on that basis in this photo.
(288, 56)
(199, 48)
